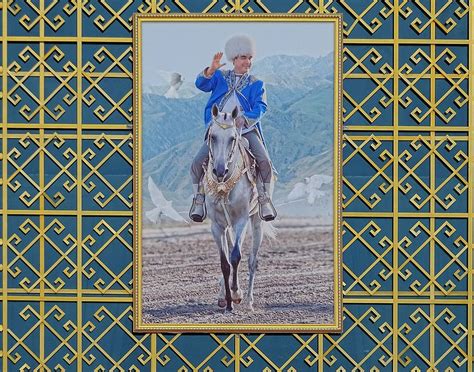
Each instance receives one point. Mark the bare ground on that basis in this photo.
(294, 281)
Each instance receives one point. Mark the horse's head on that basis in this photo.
(223, 138)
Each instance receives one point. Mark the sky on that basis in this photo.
(188, 47)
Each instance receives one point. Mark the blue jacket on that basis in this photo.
(250, 92)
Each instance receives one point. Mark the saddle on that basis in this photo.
(251, 165)
(249, 160)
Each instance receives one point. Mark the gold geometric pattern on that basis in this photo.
(50, 278)
(413, 247)
(102, 244)
(370, 329)
(380, 79)
(377, 160)
(444, 324)
(379, 269)
(36, 14)
(40, 66)
(426, 17)
(53, 322)
(96, 339)
(66, 183)
(99, 154)
(42, 149)
(363, 17)
(94, 88)
(423, 190)
(432, 66)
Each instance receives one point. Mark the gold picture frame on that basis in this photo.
(139, 20)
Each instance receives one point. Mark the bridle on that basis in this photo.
(234, 141)
(221, 189)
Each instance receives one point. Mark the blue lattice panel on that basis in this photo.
(107, 340)
(418, 18)
(53, 322)
(107, 84)
(106, 171)
(433, 173)
(42, 167)
(107, 256)
(368, 256)
(432, 335)
(67, 182)
(367, 173)
(367, 341)
(206, 352)
(432, 256)
(368, 85)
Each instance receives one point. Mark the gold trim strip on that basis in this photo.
(470, 221)
(139, 326)
(5, 297)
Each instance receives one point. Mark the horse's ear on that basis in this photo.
(215, 110)
(235, 112)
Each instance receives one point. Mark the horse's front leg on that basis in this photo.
(235, 257)
(253, 260)
(219, 237)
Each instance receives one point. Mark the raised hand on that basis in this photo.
(216, 63)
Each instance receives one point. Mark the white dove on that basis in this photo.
(310, 189)
(163, 206)
(175, 83)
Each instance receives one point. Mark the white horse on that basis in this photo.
(230, 188)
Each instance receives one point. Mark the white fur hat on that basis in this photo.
(239, 45)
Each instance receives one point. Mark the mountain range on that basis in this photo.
(298, 126)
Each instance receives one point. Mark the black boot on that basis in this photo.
(198, 209)
(266, 210)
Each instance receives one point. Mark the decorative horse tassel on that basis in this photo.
(221, 188)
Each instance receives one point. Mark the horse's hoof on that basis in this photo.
(237, 296)
(222, 302)
(248, 304)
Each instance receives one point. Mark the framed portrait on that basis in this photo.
(237, 173)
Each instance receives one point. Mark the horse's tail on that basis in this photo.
(269, 230)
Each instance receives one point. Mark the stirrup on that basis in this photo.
(198, 211)
(271, 214)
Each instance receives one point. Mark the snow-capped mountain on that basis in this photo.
(295, 71)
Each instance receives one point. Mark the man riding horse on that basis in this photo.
(230, 89)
